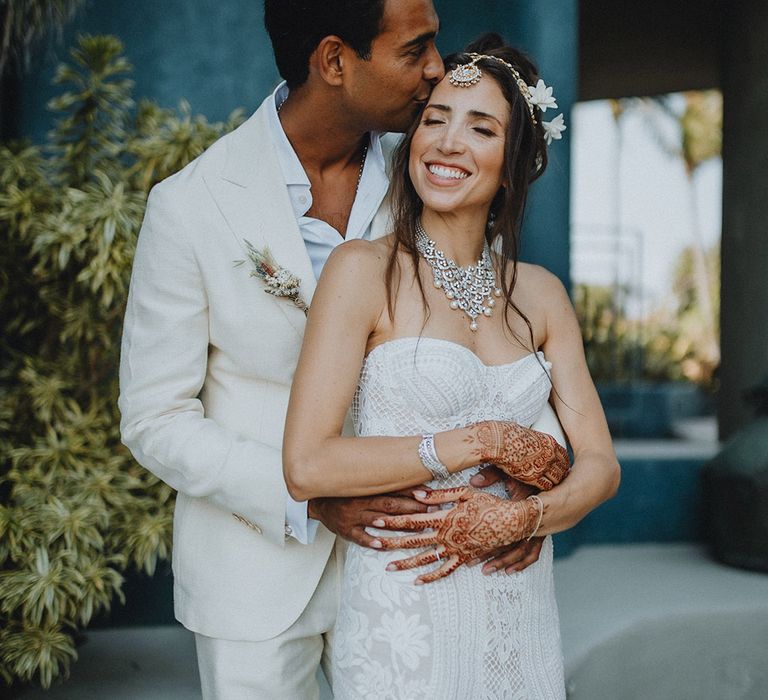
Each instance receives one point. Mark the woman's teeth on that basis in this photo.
(451, 173)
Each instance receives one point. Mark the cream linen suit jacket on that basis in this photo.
(206, 368)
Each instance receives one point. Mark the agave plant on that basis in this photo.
(75, 510)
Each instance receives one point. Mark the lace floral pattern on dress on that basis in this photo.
(468, 635)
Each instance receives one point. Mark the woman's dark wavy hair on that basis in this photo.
(525, 159)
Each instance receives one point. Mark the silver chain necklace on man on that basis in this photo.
(469, 289)
(362, 159)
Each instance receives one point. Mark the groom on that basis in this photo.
(208, 357)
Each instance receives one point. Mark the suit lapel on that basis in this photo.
(382, 220)
(252, 197)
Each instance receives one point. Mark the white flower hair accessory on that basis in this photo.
(553, 131)
(537, 96)
(542, 96)
(279, 281)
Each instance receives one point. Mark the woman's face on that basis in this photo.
(457, 151)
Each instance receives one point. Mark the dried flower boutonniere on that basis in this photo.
(280, 282)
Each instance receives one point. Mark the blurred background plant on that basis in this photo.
(25, 22)
(679, 340)
(75, 510)
(669, 344)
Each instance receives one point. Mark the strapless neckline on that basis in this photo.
(423, 384)
(451, 343)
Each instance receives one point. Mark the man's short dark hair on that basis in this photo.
(296, 27)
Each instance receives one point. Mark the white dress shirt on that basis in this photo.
(321, 238)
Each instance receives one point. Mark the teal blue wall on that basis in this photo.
(548, 31)
(216, 54)
(660, 500)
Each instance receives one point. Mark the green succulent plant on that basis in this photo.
(76, 511)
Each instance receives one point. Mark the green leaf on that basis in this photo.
(75, 508)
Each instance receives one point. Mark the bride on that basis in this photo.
(448, 349)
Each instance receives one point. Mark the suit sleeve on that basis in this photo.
(162, 369)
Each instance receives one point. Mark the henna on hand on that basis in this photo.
(524, 454)
(477, 523)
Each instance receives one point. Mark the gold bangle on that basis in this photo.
(540, 505)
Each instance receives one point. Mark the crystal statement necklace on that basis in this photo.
(469, 289)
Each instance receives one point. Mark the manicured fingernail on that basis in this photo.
(432, 509)
(420, 494)
(418, 582)
(478, 477)
(391, 567)
(511, 570)
(378, 523)
(376, 544)
(488, 570)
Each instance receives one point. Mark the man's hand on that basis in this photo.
(348, 517)
(516, 490)
(510, 558)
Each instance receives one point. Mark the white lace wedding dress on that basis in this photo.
(467, 636)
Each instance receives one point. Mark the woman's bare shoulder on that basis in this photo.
(542, 290)
(355, 257)
(539, 282)
(535, 286)
(353, 278)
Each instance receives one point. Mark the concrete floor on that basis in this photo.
(605, 594)
(131, 663)
(661, 622)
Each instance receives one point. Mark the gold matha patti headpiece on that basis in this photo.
(536, 96)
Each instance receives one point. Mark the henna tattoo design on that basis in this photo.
(477, 523)
(524, 454)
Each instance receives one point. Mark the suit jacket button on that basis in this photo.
(288, 530)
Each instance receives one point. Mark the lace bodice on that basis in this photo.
(414, 385)
(411, 385)
(468, 635)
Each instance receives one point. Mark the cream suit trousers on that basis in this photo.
(281, 668)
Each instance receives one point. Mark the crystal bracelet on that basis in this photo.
(429, 458)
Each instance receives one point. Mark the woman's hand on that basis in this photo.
(524, 454)
(517, 556)
(477, 523)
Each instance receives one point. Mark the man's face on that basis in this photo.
(387, 91)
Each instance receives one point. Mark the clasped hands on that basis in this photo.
(479, 522)
(479, 527)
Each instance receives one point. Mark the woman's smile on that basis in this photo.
(446, 174)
